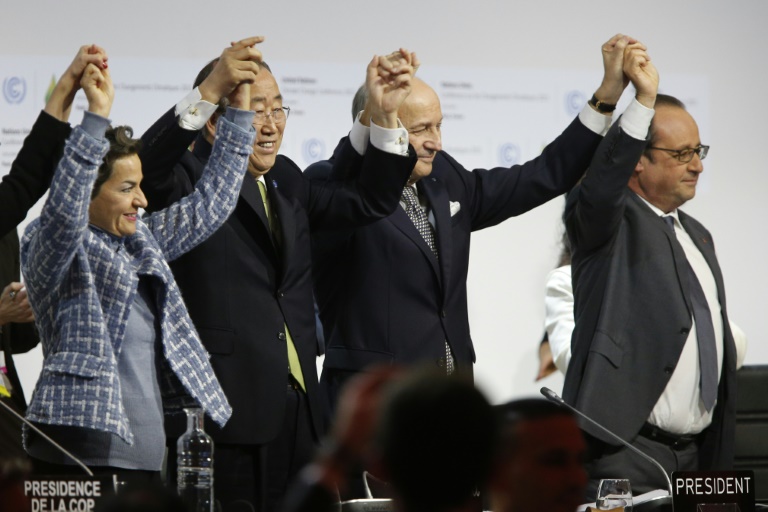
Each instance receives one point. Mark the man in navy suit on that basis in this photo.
(653, 355)
(395, 291)
(248, 287)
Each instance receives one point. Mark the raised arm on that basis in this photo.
(31, 171)
(503, 192)
(167, 140)
(372, 190)
(51, 241)
(184, 224)
(595, 208)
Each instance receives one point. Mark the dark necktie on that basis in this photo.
(294, 365)
(705, 332)
(420, 220)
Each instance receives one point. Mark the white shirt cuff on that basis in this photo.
(359, 135)
(390, 140)
(636, 120)
(193, 111)
(595, 121)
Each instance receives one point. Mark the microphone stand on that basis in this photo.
(44, 436)
(554, 397)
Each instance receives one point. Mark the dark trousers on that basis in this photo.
(606, 461)
(254, 478)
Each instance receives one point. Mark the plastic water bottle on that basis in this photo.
(195, 464)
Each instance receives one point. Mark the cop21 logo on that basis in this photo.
(312, 150)
(574, 102)
(14, 89)
(509, 154)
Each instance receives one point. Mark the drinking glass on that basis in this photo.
(614, 494)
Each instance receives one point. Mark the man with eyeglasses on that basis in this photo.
(248, 287)
(653, 355)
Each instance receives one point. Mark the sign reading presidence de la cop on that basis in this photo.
(67, 493)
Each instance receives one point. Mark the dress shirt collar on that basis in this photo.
(660, 213)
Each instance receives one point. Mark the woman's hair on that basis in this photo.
(121, 144)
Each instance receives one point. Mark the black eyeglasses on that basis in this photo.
(686, 155)
(278, 115)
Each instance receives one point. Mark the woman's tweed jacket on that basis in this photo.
(82, 282)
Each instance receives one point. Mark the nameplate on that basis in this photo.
(713, 491)
(57, 493)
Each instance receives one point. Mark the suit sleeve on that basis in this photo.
(184, 224)
(50, 243)
(594, 209)
(497, 194)
(370, 191)
(163, 146)
(345, 164)
(31, 171)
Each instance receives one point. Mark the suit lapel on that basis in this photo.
(286, 221)
(251, 195)
(704, 245)
(440, 206)
(402, 222)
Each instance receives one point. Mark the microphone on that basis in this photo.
(44, 436)
(554, 397)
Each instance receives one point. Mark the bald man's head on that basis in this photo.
(422, 117)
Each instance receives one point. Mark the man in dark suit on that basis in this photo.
(27, 181)
(394, 293)
(248, 287)
(653, 356)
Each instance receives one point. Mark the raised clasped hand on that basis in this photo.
(389, 80)
(98, 88)
(614, 80)
(642, 73)
(238, 64)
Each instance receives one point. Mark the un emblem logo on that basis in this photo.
(509, 154)
(574, 102)
(14, 89)
(312, 150)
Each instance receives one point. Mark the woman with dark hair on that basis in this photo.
(120, 349)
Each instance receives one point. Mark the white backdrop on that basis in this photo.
(508, 74)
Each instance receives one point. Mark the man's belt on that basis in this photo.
(677, 441)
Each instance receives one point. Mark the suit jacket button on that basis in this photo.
(441, 362)
(280, 294)
(281, 336)
(669, 369)
(684, 330)
(442, 313)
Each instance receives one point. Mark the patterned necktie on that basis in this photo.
(705, 332)
(294, 366)
(420, 220)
